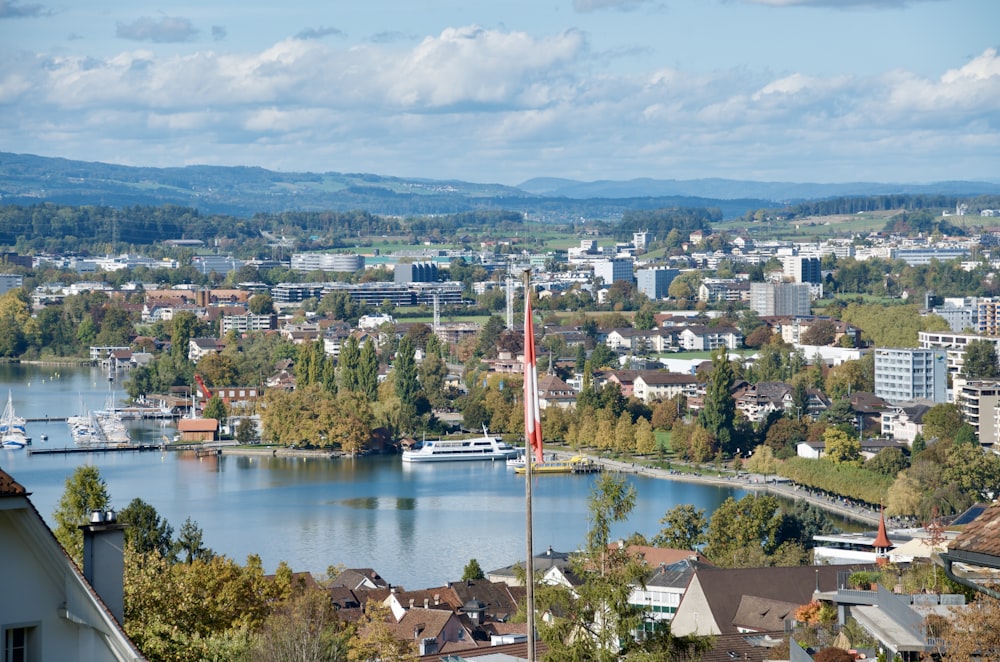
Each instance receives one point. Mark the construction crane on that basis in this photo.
(205, 393)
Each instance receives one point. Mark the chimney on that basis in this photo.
(104, 560)
(427, 603)
(411, 603)
(437, 599)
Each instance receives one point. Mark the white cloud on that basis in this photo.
(166, 29)
(585, 6)
(472, 96)
(840, 4)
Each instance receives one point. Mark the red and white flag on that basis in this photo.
(532, 419)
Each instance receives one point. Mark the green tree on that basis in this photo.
(473, 571)
(979, 361)
(216, 408)
(147, 532)
(683, 528)
(85, 491)
(182, 329)
(261, 304)
(246, 431)
(596, 621)
(404, 372)
(716, 416)
(942, 421)
(745, 533)
(349, 361)
(189, 546)
(368, 371)
(888, 462)
(305, 628)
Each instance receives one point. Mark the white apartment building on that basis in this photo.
(905, 374)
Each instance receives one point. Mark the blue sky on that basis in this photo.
(488, 91)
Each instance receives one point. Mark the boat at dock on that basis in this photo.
(12, 431)
(449, 450)
(574, 465)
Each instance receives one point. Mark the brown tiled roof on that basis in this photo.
(729, 647)
(9, 486)
(516, 651)
(982, 536)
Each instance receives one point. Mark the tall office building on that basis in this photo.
(800, 269)
(655, 282)
(780, 299)
(904, 374)
(615, 269)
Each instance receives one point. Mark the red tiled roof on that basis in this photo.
(9, 486)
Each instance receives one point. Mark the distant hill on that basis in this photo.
(243, 191)
(730, 189)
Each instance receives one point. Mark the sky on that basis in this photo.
(501, 91)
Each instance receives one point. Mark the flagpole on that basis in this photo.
(529, 564)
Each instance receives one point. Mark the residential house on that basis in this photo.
(51, 611)
(702, 338)
(652, 385)
(199, 348)
(554, 392)
(905, 421)
(541, 564)
(722, 601)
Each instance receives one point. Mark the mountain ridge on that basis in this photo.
(28, 179)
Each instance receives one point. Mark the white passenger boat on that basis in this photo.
(447, 450)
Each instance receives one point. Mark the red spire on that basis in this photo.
(882, 542)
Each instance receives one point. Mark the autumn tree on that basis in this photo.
(839, 447)
(376, 640)
(85, 491)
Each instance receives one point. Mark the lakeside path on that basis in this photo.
(749, 482)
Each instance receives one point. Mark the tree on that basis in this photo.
(304, 628)
(979, 361)
(942, 421)
(596, 621)
(645, 438)
(745, 533)
(820, 332)
(147, 532)
(85, 491)
(841, 447)
(719, 409)
(261, 304)
(473, 571)
(888, 462)
(684, 528)
(216, 408)
(189, 545)
(348, 362)
(375, 639)
(404, 372)
(246, 430)
(367, 374)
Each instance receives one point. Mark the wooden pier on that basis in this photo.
(103, 448)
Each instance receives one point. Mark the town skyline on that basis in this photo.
(773, 90)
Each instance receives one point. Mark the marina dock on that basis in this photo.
(103, 448)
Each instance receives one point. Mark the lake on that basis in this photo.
(417, 525)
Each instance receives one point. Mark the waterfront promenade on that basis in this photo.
(755, 482)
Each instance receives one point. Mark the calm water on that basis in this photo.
(416, 525)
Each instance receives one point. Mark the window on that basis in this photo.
(18, 645)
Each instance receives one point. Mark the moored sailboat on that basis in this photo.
(12, 430)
